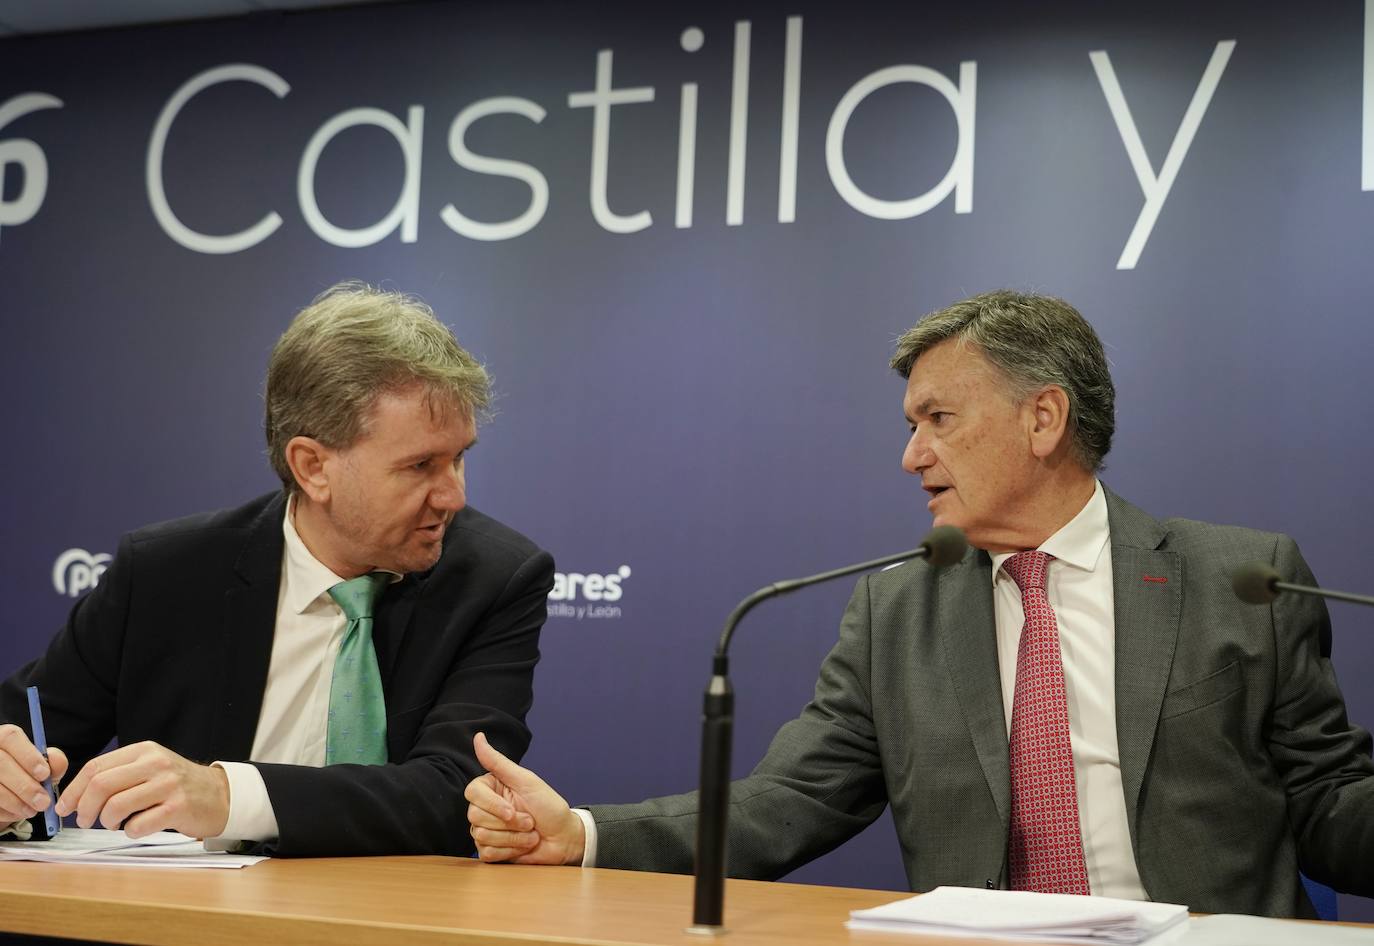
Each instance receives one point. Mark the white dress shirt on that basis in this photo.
(1080, 591)
(295, 704)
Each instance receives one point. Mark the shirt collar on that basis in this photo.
(305, 577)
(1079, 542)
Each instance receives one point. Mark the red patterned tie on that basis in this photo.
(1046, 848)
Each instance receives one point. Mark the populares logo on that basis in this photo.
(570, 589)
(77, 571)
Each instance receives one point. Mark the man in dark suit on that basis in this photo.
(305, 673)
(1081, 705)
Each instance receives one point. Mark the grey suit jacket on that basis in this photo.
(1238, 764)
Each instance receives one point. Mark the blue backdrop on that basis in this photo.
(683, 240)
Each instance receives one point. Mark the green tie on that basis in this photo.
(357, 710)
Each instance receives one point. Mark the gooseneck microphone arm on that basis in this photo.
(782, 587)
(1324, 593)
(1258, 583)
(944, 545)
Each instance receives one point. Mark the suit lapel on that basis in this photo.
(250, 619)
(1147, 586)
(969, 632)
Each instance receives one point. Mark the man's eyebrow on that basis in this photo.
(426, 454)
(922, 408)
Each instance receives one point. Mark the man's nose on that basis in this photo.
(917, 456)
(450, 494)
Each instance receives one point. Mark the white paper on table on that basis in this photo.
(1228, 929)
(101, 846)
(77, 841)
(1021, 915)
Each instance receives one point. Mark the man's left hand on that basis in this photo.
(146, 788)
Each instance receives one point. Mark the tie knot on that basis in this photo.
(358, 595)
(1028, 570)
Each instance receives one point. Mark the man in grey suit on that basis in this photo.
(1080, 705)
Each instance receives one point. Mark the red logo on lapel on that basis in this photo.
(1158, 580)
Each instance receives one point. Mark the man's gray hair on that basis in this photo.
(354, 343)
(1034, 341)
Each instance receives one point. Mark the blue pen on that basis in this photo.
(40, 742)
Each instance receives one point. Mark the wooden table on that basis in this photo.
(412, 900)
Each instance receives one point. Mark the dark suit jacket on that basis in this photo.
(1237, 761)
(173, 646)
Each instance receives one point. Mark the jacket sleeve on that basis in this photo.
(1323, 759)
(78, 674)
(819, 784)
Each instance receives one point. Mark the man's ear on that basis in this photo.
(306, 456)
(1049, 421)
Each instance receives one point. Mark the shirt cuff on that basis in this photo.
(251, 817)
(589, 837)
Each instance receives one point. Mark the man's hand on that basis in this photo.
(146, 788)
(515, 816)
(22, 770)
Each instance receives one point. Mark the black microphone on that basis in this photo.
(943, 545)
(1259, 583)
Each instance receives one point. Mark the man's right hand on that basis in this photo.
(515, 816)
(22, 770)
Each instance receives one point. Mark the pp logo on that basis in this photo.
(77, 571)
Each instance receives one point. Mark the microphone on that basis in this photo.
(943, 545)
(1258, 583)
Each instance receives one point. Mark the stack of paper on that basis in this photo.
(1023, 916)
(98, 846)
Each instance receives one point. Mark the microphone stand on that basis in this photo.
(717, 731)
